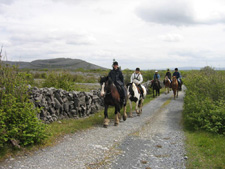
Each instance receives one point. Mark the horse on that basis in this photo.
(111, 98)
(156, 87)
(134, 94)
(167, 83)
(175, 86)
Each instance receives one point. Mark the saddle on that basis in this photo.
(140, 89)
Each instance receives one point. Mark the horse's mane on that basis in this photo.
(106, 79)
(103, 79)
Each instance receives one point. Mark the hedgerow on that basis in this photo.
(19, 124)
(204, 101)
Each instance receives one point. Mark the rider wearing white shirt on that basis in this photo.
(137, 78)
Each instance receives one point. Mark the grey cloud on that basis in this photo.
(174, 12)
(6, 2)
(170, 12)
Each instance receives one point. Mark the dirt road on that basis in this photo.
(153, 140)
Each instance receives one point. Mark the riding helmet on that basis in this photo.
(115, 63)
(176, 68)
(137, 69)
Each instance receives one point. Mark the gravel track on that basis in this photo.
(153, 140)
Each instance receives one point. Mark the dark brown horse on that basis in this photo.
(155, 87)
(111, 98)
(175, 86)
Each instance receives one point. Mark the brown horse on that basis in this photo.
(155, 87)
(111, 98)
(175, 86)
(167, 83)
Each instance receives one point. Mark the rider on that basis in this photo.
(168, 74)
(178, 76)
(117, 77)
(156, 77)
(137, 78)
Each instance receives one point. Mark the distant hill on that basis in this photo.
(59, 63)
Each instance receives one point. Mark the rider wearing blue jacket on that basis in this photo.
(156, 77)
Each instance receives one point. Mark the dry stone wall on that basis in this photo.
(57, 104)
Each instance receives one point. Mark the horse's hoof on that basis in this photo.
(116, 124)
(106, 123)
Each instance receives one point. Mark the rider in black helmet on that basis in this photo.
(137, 78)
(168, 74)
(117, 77)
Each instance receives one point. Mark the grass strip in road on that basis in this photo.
(205, 150)
(68, 126)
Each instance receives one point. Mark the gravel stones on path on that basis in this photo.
(153, 140)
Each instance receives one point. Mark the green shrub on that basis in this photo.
(204, 101)
(20, 122)
(18, 117)
(63, 81)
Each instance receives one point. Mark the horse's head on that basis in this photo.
(105, 83)
(174, 78)
(166, 78)
(132, 90)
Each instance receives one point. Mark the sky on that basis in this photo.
(148, 34)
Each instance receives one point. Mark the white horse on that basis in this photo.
(134, 95)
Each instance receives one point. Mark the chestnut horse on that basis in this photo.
(134, 94)
(167, 83)
(175, 86)
(111, 98)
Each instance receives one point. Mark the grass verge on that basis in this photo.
(205, 150)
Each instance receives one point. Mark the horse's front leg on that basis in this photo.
(106, 120)
(136, 107)
(117, 111)
(130, 114)
(124, 113)
(140, 105)
(174, 93)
